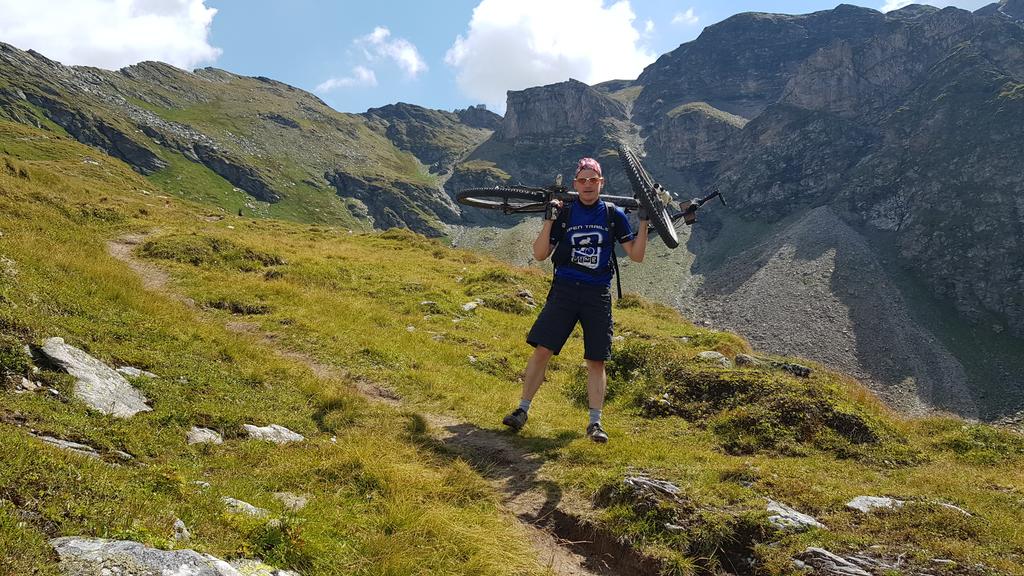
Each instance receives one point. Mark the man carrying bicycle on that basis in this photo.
(581, 238)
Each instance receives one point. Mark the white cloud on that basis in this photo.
(111, 33)
(361, 77)
(965, 4)
(379, 44)
(648, 26)
(515, 45)
(687, 18)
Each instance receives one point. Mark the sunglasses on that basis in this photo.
(591, 180)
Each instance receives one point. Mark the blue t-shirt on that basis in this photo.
(587, 234)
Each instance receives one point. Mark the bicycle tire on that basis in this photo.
(508, 199)
(647, 193)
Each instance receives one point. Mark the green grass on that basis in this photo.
(383, 500)
(379, 503)
(707, 110)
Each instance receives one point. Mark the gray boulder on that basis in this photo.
(715, 357)
(824, 562)
(98, 385)
(75, 447)
(181, 532)
(868, 504)
(789, 520)
(199, 435)
(101, 557)
(274, 433)
(242, 507)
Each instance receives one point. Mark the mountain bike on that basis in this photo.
(517, 199)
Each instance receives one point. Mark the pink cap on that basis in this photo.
(588, 164)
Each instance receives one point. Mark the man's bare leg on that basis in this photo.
(535, 370)
(597, 384)
(534, 377)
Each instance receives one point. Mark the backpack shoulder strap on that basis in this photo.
(610, 214)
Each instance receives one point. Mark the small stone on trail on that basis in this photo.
(470, 306)
(274, 433)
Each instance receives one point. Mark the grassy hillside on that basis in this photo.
(271, 299)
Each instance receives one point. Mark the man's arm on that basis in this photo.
(636, 247)
(542, 246)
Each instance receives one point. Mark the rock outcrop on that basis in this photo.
(437, 138)
(98, 385)
(273, 433)
(562, 110)
(101, 557)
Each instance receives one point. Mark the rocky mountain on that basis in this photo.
(900, 129)
(283, 148)
(437, 138)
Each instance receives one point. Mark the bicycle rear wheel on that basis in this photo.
(648, 193)
(508, 199)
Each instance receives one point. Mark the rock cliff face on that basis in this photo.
(479, 117)
(1012, 10)
(547, 129)
(742, 64)
(561, 110)
(437, 138)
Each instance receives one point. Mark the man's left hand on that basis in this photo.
(643, 213)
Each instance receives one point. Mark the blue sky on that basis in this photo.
(356, 55)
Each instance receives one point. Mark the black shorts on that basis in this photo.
(570, 302)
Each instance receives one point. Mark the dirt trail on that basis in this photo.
(564, 540)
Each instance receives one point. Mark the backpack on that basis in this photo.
(560, 257)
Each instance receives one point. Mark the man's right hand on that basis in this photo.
(552, 209)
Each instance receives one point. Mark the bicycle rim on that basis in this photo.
(647, 193)
(508, 199)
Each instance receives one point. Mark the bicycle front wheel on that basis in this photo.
(648, 193)
(508, 199)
